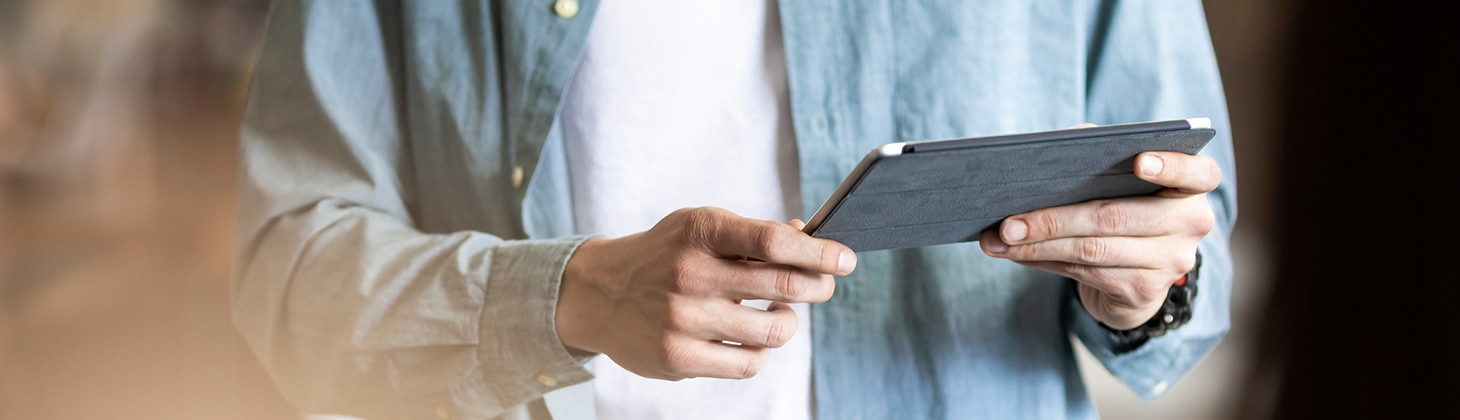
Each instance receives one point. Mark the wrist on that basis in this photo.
(1174, 312)
(579, 296)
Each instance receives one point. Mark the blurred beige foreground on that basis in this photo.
(118, 121)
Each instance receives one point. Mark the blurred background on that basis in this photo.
(118, 123)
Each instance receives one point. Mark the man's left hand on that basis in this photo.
(1125, 252)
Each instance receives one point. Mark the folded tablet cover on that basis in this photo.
(947, 196)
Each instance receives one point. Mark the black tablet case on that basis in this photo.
(948, 196)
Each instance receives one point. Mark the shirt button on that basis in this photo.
(517, 177)
(566, 9)
(442, 413)
(547, 380)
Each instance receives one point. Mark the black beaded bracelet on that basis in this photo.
(1174, 313)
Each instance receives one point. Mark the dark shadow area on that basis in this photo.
(1360, 316)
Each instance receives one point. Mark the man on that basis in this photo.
(471, 210)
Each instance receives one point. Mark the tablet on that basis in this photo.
(935, 192)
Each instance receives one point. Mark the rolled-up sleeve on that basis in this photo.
(1149, 61)
(348, 306)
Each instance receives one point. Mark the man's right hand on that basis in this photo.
(666, 303)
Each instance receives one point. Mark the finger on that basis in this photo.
(1133, 284)
(1084, 125)
(714, 359)
(1186, 174)
(1105, 279)
(1131, 216)
(1097, 251)
(745, 325)
(732, 236)
(774, 282)
(797, 223)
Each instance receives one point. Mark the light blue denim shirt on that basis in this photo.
(405, 216)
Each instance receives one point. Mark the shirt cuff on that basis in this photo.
(520, 356)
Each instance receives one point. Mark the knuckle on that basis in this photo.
(1092, 250)
(1204, 223)
(1049, 224)
(701, 223)
(788, 286)
(679, 213)
(684, 276)
(750, 366)
(769, 238)
(1110, 218)
(707, 212)
(779, 332)
(1185, 262)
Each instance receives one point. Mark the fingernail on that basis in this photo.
(996, 246)
(1015, 230)
(846, 262)
(1151, 165)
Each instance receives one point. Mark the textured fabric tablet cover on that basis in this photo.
(918, 199)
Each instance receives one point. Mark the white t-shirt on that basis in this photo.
(684, 104)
